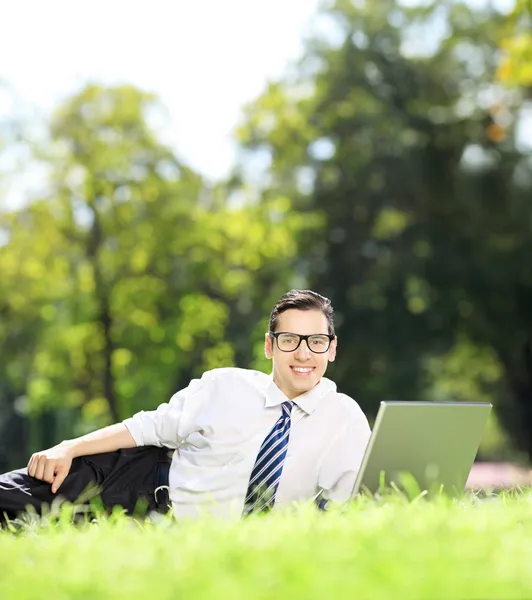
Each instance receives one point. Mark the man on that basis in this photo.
(242, 441)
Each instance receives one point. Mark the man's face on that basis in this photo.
(297, 372)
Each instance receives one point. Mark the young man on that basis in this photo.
(242, 441)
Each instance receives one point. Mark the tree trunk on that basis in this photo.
(108, 379)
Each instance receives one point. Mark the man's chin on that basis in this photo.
(296, 385)
(305, 384)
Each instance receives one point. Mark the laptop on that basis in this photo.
(433, 442)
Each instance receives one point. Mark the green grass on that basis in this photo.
(394, 549)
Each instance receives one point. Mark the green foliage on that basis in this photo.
(515, 68)
(131, 276)
(395, 133)
(395, 187)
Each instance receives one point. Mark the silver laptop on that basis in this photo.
(434, 442)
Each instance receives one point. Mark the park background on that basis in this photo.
(385, 160)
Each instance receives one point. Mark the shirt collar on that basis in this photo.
(307, 401)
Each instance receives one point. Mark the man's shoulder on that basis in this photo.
(230, 374)
(344, 404)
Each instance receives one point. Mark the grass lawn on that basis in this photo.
(394, 549)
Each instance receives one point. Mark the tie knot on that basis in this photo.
(287, 406)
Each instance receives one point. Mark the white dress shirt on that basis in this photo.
(217, 424)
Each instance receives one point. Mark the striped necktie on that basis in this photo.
(266, 473)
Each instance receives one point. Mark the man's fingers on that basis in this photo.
(58, 480)
(39, 471)
(50, 465)
(49, 472)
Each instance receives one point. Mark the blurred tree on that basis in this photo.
(515, 67)
(393, 129)
(14, 429)
(131, 276)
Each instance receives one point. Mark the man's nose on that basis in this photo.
(303, 352)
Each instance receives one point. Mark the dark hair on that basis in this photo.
(302, 300)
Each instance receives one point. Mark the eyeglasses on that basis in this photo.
(318, 343)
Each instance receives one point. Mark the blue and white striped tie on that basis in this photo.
(266, 473)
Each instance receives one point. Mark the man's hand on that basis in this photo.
(51, 465)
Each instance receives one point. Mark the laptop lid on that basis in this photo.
(436, 442)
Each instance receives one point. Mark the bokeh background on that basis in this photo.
(169, 169)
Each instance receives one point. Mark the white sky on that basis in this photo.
(204, 58)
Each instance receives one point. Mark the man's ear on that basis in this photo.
(332, 349)
(268, 348)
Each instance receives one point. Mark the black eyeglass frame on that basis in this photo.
(301, 338)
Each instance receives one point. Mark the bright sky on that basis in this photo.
(204, 58)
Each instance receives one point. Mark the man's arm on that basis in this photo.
(107, 439)
(53, 465)
(167, 426)
(339, 469)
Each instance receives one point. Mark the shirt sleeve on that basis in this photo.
(340, 466)
(172, 421)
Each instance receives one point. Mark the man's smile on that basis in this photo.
(302, 370)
